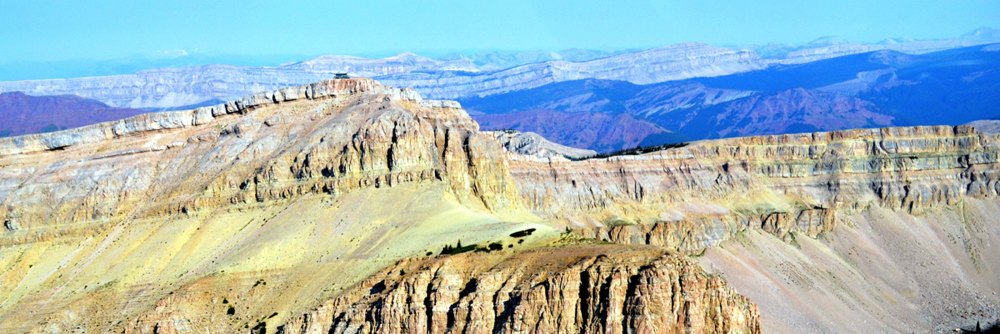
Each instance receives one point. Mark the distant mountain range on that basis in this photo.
(872, 89)
(829, 46)
(616, 100)
(597, 131)
(177, 87)
(24, 114)
(462, 76)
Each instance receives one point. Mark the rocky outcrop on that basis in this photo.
(329, 137)
(675, 62)
(986, 126)
(575, 289)
(696, 196)
(155, 220)
(179, 119)
(533, 144)
(694, 235)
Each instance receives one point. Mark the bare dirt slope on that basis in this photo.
(884, 271)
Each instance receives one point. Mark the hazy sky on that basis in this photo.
(42, 30)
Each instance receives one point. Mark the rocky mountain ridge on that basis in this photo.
(601, 289)
(830, 47)
(335, 205)
(675, 62)
(438, 79)
(793, 192)
(182, 178)
(797, 220)
(875, 89)
(453, 77)
(195, 220)
(174, 87)
(781, 184)
(379, 154)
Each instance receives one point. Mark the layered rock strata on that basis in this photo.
(155, 216)
(695, 196)
(330, 137)
(247, 214)
(574, 289)
(272, 212)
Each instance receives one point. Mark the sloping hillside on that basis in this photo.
(24, 114)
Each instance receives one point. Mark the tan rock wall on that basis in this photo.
(701, 193)
(575, 289)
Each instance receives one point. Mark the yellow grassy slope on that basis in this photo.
(281, 258)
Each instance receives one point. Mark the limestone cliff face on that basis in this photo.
(696, 196)
(154, 220)
(576, 289)
(331, 137)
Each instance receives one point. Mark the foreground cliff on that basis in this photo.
(573, 289)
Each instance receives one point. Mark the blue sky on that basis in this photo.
(44, 30)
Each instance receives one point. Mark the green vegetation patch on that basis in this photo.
(457, 249)
(632, 151)
(522, 233)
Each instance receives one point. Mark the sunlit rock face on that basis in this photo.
(337, 206)
(827, 232)
(798, 182)
(343, 135)
(172, 211)
(599, 289)
(246, 215)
